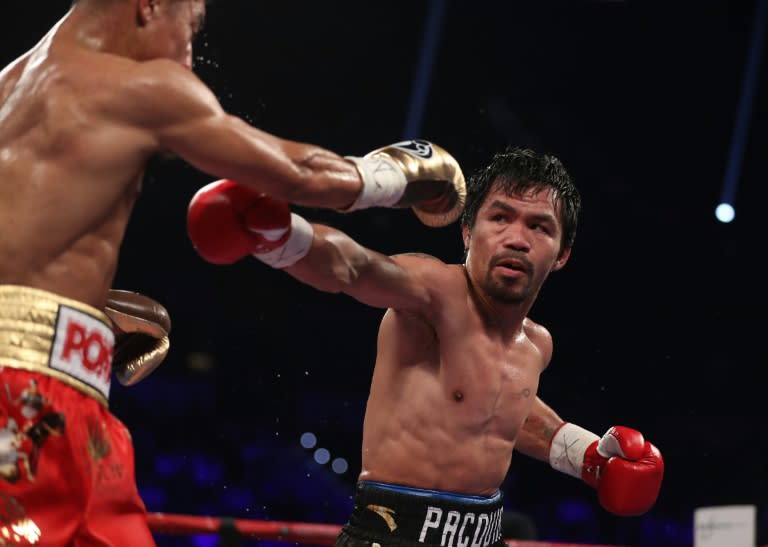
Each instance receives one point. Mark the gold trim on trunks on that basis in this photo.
(28, 328)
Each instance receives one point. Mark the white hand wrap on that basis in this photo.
(384, 182)
(294, 249)
(566, 453)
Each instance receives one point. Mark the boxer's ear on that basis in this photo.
(145, 10)
(562, 259)
(465, 235)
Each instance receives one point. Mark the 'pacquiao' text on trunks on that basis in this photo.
(461, 529)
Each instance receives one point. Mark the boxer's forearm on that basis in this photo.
(536, 435)
(337, 263)
(300, 173)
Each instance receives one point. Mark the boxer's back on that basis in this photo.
(69, 172)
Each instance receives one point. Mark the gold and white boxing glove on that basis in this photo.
(416, 174)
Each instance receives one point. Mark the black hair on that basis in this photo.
(521, 170)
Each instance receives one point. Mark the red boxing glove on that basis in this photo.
(227, 221)
(625, 469)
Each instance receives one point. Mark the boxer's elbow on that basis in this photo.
(345, 272)
(338, 278)
(344, 265)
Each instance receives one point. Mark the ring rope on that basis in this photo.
(305, 533)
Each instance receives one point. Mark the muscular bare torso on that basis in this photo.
(69, 172)
(448, 400)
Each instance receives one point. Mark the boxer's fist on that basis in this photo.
(227, 221)
(141, 326)
(630, 486)
(625, 469)
(416, 174)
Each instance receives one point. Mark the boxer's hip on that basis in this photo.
(395, 515)
(45, 333)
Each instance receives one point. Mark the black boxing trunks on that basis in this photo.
(387, 514)
(66, 463)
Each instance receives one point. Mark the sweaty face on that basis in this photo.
(514, 245)
(173, 25)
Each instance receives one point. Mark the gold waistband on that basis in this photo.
(27, 328)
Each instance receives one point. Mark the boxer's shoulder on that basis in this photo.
(440, 275)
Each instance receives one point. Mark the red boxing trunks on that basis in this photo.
(391, 515)
(66, 463)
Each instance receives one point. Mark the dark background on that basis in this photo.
(659, 320)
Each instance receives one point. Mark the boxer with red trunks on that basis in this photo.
(105, 90)
(68, 463)
(458, 360)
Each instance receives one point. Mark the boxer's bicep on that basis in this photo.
(185, 118)
(226, 147)
(398, 282)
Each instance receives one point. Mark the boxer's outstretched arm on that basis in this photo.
(337, 263)
(227, 222)
(184, 117)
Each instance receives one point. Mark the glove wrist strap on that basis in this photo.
(566, 453)
(294, 249)
(383, 179)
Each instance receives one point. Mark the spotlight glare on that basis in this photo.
(308, 440)
(339, 466)
(725, 212)
(322, 456)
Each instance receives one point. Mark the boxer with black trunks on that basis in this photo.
(458, 359)
(81, 114)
